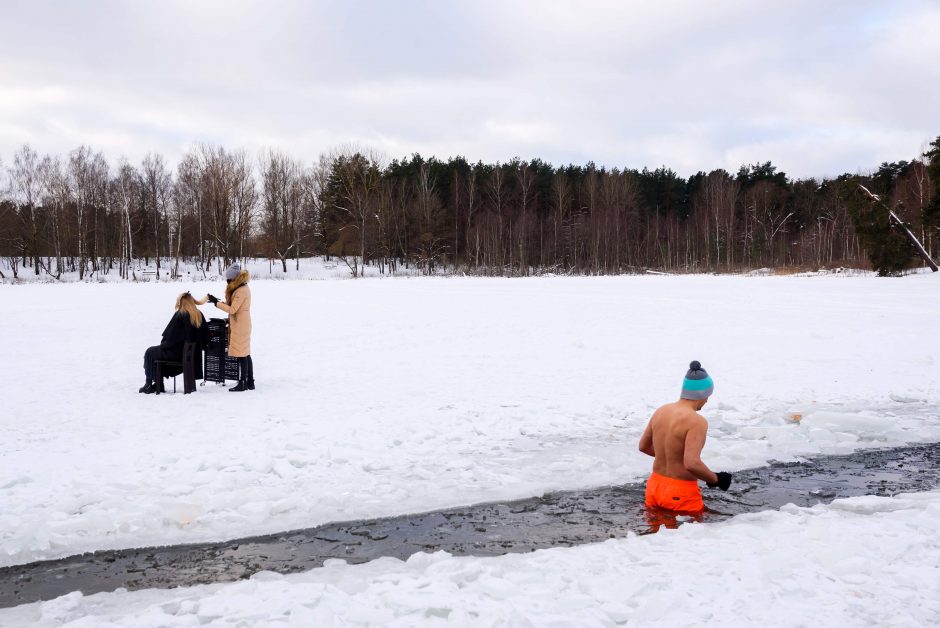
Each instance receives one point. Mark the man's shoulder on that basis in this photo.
(676, 416)
(690, 418)
(666, 407)
(664, 411)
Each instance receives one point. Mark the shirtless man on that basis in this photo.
(675, 437)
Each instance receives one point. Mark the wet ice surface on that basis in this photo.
(557, 519)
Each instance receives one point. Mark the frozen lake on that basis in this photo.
(379, 398)
(384, 397)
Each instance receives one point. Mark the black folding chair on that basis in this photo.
(187, 365)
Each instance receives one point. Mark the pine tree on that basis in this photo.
(888, 250)
(932, 211)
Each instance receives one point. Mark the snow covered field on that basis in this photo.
(381, 397)
(859, 561)
(309, 268)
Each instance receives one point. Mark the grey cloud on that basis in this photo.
(819, 88)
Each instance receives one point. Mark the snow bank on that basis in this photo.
(382, 397)
(858, 561)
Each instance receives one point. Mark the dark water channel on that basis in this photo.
(553, 520)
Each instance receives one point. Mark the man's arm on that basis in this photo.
(646, 441)
(694, 441)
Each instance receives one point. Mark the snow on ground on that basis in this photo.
(858, 561)
(382, 397)
(311, 268)
(308, 268)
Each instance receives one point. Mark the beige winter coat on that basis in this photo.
(238, 306)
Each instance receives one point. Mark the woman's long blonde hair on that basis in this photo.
(187, 303)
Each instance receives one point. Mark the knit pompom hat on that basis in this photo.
(232, 271)
(697, 384)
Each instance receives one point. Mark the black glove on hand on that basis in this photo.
(724, 481)
(212, 299)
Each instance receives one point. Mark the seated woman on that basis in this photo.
(187, 325)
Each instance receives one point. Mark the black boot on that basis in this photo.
(158, 388)
(148, 388)
(249, 374)
(242, 375)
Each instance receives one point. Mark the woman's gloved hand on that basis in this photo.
(212, 299)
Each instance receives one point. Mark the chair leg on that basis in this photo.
(189, 379)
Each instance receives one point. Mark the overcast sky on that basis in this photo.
(818, 87)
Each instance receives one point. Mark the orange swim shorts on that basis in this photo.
(673, 494)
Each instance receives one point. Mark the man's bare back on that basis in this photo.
(674, 437)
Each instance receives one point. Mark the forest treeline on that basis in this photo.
(81, 213)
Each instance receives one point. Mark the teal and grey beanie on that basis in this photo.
(697, 383)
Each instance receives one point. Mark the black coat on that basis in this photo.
(181, 330)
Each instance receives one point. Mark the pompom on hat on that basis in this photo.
(232, 271)
(697, 384)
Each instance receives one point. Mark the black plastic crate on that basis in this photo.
(218, 365)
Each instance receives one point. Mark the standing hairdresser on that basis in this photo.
(238, 306)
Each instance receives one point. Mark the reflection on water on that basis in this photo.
(659, 517)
